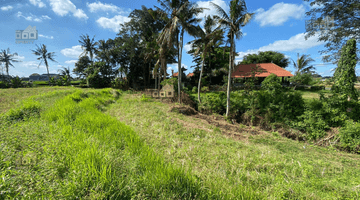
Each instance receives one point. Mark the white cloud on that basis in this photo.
(27, 64)
(38, 3)
(279, 13)
(45, 36)
(73, 52)
(64, 7)
(244, 34)
(187, 47)
(71, 62)
(175, 66)
(296, 42)
(21, 58)
(6, 8)
(32, 17)
(98, 6)
(210, 9)
(112, 23)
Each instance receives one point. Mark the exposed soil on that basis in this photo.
(233, 130)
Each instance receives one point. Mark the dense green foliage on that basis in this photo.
(267, 57)
(344, 75)
(350, 136)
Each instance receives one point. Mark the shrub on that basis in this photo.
(205, 89)
(271, 83)
(120, 84)
(213, 103)
(194, 89)
(350, 136)
(16, 82)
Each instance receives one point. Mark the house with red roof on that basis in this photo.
(261, 70)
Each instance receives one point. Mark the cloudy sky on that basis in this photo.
(277, 26)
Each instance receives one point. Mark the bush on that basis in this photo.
(350, 136)
(301, 79)
(194, 89)
(324, 113)
(205, 89)
(271, 83)
(213, 103)
(120, 84)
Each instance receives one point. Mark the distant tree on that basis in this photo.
(65, 72)
(44, 56)
(34, 74)
(344, 75)
(267, 57)
(302, 64)
(6, 57)
(81, 65)
(346, 25)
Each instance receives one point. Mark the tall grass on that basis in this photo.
(260, 166)
(73, 150)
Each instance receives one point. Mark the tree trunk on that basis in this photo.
(229, 76)
(210, 68)
(199, 86)
(179, 61)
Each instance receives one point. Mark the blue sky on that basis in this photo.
(277, 25)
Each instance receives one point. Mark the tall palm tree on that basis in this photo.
(6, 58)
(302, 64)
(88, 45)
(207, 39)
(44, 56)
(237, 18)
(181, 17)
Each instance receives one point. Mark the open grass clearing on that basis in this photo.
(262, 161)
(10, 98)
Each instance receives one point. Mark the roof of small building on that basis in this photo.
(175, 74)
(267, 69)
(190, 75)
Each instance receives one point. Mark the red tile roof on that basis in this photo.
(267, 68)
(190, 75)
(175, 74)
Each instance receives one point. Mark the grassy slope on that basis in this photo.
(10, 98)
(265, 164)
(66, 148)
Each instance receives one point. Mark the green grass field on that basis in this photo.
(66, 143)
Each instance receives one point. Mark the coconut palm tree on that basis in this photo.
(207, 39)
(6, 58)
(44, 56)
(302, 64)
(181, 17)
(237, 18)
(65, 71)
(89, 46)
